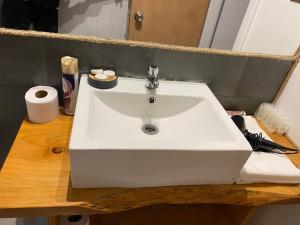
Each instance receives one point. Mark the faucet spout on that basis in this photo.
(152, 77)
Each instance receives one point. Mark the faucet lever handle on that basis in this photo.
(153, 71)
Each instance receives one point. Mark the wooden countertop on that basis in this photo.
(35, 180)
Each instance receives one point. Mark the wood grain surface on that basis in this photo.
(204, 214)
(35, 180)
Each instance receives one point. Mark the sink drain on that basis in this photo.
(149, 129)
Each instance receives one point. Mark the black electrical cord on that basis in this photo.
(258, 142)
(254, 140)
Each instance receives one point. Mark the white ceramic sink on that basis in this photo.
(196, 141)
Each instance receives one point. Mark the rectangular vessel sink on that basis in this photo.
(130, 136)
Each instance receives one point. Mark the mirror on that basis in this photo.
(195, 23)
(218, 24)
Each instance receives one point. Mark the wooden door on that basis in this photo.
(178, 22)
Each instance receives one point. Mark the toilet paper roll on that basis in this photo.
(75, 220)
(42, 104)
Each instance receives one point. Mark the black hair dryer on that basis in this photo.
(258, 142)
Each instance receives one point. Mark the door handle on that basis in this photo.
(138, 16)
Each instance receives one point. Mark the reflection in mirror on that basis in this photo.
(40, 15)
(195, 23)
(259, 26)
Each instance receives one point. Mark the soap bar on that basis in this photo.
(97, 71)
(110, 74)
(101, 77)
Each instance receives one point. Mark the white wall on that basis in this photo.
(289, 103)
(272, 26)
(230, 20)
(8, 221)
(277, 215)
(102, 18)
(223, 20)
(24, 221)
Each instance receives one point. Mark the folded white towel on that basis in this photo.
(264, 167)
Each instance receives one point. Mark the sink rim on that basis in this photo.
(171, 88)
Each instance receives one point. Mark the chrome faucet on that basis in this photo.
(152, 77)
